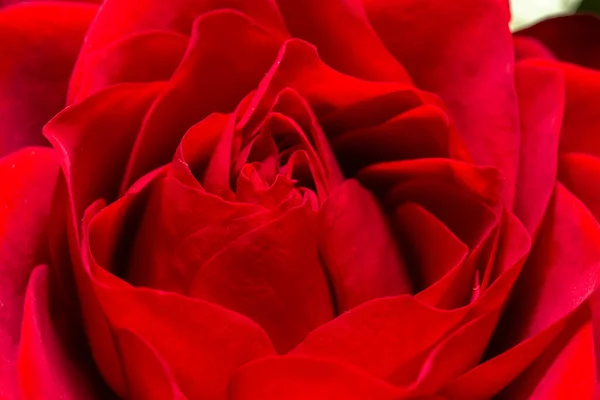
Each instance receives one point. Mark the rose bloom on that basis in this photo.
(297, 199)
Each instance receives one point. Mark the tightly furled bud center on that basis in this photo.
(254, 213)
(273, 154)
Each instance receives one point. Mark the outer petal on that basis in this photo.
(571, 38)
(559, 276)
(562, 271)
(580, 173)
(39, 43)
(46, 367)
(445, 47)
(9, 2)
(490, 377)
(526, 47)
(298, 377)
(148, 376)
(566, 369)
(28, 178)
(451, 357)
(580, 116)
(201, 342)
(382, 335)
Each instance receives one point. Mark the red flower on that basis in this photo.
(274, 199)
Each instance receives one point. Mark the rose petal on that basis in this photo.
(595, 309)
(541, 101)
(562, 270)
(456, 354)
(197, 147)
(373, 109)
(87, 178)
(580, 173)
(28, 179)
(475, 83)
(514, 246)
(484, 182)
(39, 43)
(46, 369)
(290, 121)
(464, 283)
(417, 228)
(419, 133)
(227, 56)
(175, 224)
(291, 103)
(490, 377)
(273, 275)
(9, 2)
(344, 37)
(468, 191)
(358, 249)
(298, 377)
(570, 38)
(560, 274)
(120, 18)
(473, 194)
(168, 322)
(580, 116)
(100, 128)
(143, 57)
(328, 91)
(566, 369)
(526, 47)
(381, 335)
(147, 375)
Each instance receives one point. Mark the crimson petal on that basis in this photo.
(381, 335)
(143, 57)
(200, 369)
(120, 18)
(102, 127)
(46, 368)
(39, 43)
(147, 375)
(344, 37)
(227, 56)
(566, 368)
(476, 84)
(541, 101)
(298, 377)
(570, 38)
(28, 176)
(358, 248)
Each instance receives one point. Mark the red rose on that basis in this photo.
(274, 199)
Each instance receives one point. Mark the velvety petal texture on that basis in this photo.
(277, 199)
(29, 176)
(39, 43)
